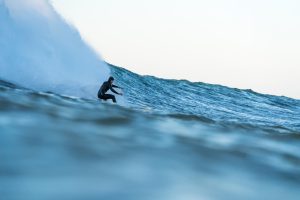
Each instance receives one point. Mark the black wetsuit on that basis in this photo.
(104, 88)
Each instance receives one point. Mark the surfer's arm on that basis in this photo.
(114, 91)
(115, 86)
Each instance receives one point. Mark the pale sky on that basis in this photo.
(238, 43)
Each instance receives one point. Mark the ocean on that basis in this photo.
(170, 140)
(165, 139)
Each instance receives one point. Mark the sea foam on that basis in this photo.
(41, 51)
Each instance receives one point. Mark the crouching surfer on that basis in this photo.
(108, 85)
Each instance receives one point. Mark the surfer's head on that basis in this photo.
(111, 79)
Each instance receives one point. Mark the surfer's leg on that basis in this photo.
(103, 97)
(108, 96)
(112, 97)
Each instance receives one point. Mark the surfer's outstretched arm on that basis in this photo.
(114, 91)
(115, 86)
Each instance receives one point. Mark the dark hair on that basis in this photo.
(111, 78)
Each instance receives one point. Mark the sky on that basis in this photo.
(238, 43)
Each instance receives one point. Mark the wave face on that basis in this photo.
(213, 102)
(40, 51)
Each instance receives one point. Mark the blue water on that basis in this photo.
(214, 102)
(171, 140)
(165, 139)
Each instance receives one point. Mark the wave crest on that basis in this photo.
(46, 53)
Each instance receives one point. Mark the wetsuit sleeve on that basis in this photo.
(114, 91)
(115, 86)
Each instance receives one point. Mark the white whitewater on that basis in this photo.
(40, 51)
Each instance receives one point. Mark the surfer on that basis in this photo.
(108, 85)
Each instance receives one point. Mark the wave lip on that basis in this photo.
(40, 51)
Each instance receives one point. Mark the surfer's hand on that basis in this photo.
(121, 94)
